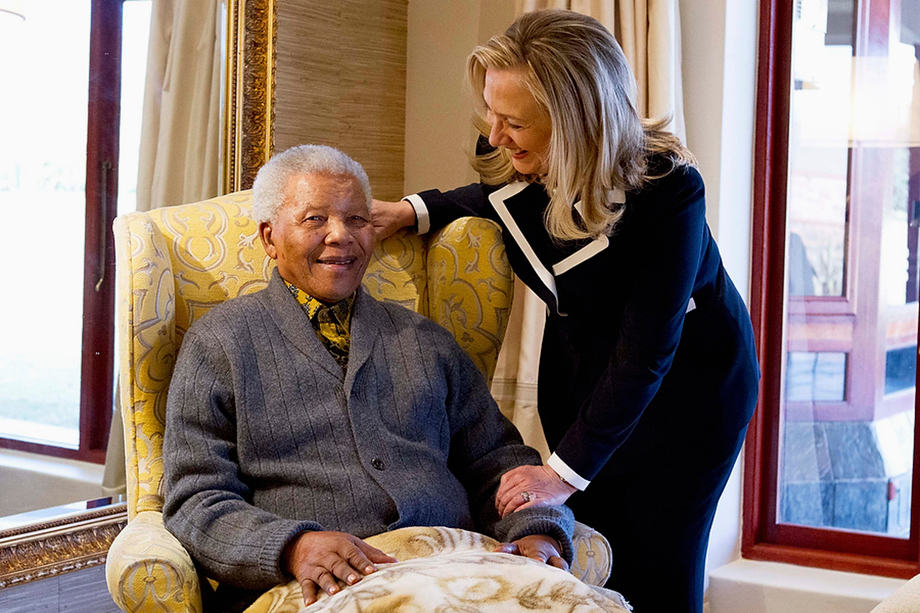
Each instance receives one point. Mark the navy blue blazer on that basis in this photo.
(642, 326)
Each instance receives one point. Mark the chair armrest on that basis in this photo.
(148, 570)
(592, 558)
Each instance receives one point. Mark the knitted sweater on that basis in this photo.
(266, 437)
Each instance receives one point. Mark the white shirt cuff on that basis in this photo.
(568, 475)
(421, 212)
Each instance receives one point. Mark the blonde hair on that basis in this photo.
(578, 74)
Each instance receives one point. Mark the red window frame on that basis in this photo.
(762, 537)
(99, 254)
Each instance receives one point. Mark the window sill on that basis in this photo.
(749, 586)
(32, 481)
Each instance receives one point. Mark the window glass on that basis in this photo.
(44, 66)
(135, 33)
(853, 207)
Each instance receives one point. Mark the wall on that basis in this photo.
(438, 130)
(719, 111)
(357, 51)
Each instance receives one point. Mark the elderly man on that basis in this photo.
(308, 416)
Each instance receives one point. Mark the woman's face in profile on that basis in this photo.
(518, 123)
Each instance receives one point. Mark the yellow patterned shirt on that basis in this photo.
(331, 322)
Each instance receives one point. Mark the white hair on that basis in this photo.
(270, 187)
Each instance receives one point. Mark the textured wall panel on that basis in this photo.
(340, 80)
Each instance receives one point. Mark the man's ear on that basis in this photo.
(265, 233)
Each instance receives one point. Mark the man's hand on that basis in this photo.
(531, 486)
(317, 559)
(390, 217)
(538, 547)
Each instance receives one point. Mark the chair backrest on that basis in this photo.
(174, 264)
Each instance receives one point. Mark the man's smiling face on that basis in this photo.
(321, 237)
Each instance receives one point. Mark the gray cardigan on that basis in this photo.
(266, 437)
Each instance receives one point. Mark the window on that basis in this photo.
(61, 66)
(830, 461)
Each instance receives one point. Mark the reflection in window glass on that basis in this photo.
(853, 209)
(817, 211)
(899, 235)
(818, 157)
(900, 369)
(815, 377)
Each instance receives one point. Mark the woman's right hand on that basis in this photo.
(390, 217)
(531, 486)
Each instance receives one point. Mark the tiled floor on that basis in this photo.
(81, 591)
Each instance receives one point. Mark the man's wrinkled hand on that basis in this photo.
(319, 559)
(538, 547)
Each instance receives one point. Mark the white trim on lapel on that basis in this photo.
(617, 196)
(497, 198)
(585, 253)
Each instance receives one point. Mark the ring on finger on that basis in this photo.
(528, 496)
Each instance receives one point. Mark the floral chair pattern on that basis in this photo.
(174, 264)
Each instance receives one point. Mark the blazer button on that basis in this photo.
(378, 464)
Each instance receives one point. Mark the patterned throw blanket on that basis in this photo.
(446, 569)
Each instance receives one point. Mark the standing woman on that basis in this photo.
(648, 375)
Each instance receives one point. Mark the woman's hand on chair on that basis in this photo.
(319, 559)
(390, 217)
(531, 486)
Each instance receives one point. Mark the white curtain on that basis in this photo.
(180, 135)
(514, 385)
(649, 32)
(114, 479)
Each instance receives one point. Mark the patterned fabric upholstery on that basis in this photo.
(148, 566)
(174, 264)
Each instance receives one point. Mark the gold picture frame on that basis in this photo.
(248, 91)
(60, 545)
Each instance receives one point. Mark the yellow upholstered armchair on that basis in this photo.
(174, 264)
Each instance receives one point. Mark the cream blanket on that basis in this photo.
(450, 570)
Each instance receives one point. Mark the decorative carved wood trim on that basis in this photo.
(58, 546)
(249, 91)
